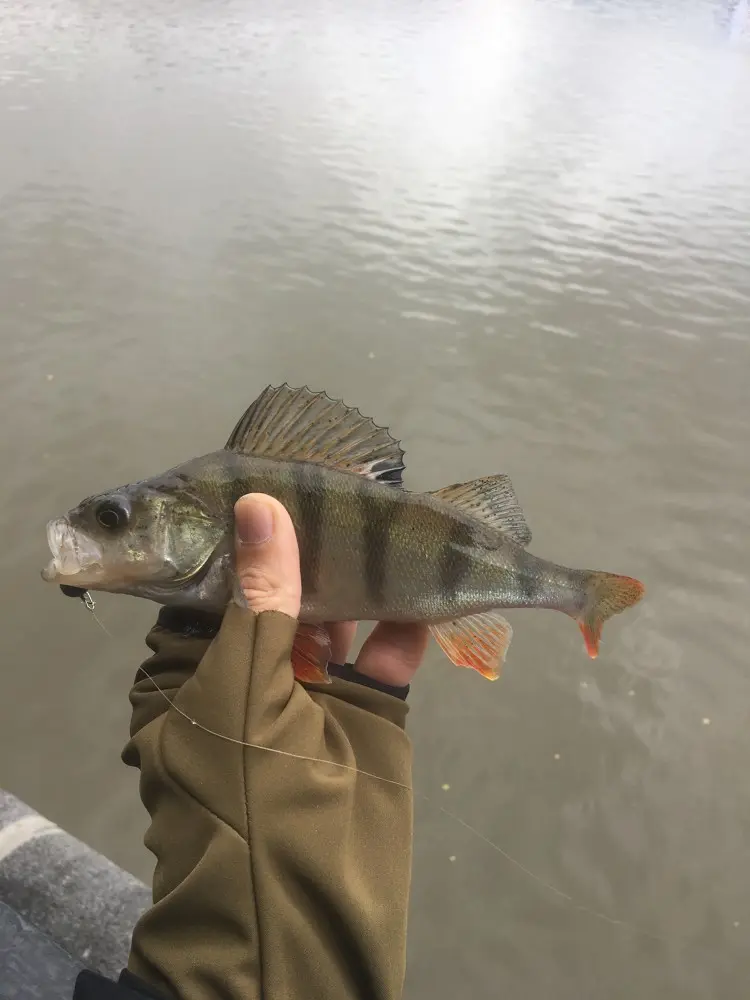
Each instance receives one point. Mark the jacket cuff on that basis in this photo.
(206, 624)
(190, 622)
(348, 672)
(93, 986)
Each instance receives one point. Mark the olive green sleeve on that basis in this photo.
(277, 877)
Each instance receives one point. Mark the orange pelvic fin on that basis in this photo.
(310, 654)
(607, 595)
(479, 641)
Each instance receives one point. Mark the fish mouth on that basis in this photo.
(74, 554)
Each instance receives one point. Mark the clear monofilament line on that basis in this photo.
(563, 896)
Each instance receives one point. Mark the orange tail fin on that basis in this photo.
(606, 595)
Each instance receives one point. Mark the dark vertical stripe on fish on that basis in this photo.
(528, 587)
(309, 484)
(378, 513)
(455, 563)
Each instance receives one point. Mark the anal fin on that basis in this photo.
(478, 641)
(311, 653)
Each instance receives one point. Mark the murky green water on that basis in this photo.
(517, 232)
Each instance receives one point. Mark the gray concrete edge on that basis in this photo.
(71, 893)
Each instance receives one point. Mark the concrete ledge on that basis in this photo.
(76, 897)
(32, 966)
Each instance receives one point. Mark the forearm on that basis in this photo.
(276, 876)
(179, 641)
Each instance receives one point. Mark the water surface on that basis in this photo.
(518, 233)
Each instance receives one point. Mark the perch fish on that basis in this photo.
(369, 549)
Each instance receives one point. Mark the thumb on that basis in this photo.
(267, 556)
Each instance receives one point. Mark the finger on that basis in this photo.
(342, 636)
(267, 556)
(393, 652)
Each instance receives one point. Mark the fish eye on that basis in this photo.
(112, 514)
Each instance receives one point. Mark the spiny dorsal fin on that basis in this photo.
(492, 500)
(479, 641)
(298, 425)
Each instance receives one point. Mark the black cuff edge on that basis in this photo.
(190, 622)
(347, 672)
(92, 985)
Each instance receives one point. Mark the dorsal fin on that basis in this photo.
(298, 425)
(492, 500)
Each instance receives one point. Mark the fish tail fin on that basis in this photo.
(605, 595)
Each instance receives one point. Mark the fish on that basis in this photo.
(370, 550)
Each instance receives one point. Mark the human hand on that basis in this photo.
(269, 579)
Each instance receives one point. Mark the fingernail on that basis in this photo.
(254, 521)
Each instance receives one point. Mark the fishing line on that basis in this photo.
(569, 900)
(89, 603)
(101, 624)
(566, 897)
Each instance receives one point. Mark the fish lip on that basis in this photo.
(74, 553)
(49, 573)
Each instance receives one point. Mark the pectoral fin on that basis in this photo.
(311, 653)
(479, 641)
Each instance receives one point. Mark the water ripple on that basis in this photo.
(520, 234)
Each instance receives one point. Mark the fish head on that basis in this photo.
(138, 540)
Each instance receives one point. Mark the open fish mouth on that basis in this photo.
(73, 552)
